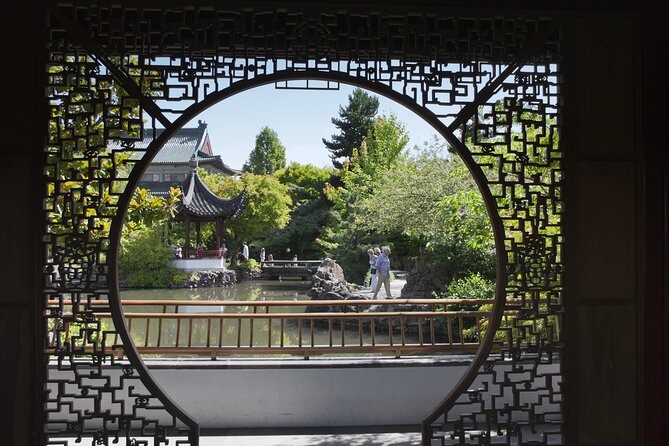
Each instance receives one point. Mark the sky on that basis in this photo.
(301, 118)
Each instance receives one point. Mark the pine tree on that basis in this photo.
(268, 156)
(354, 122)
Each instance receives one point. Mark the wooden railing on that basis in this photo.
(209, 254)
(304, 328)
(289, 268)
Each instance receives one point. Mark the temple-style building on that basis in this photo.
(171, 164)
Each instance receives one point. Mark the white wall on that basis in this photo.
(201, 264)
(315, 393)
(311, 396)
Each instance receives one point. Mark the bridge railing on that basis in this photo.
(307, 264)
(303, 328)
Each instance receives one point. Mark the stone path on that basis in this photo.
(396, 286)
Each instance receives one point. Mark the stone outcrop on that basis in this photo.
(209, 278)
(248, 274)
(422, 281)
(329, 283)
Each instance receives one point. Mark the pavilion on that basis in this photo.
(199, 204)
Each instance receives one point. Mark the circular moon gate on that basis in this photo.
(496, 77)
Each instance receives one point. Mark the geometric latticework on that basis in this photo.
(489, 85)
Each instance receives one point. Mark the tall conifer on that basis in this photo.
(354, 122)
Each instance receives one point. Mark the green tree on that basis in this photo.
(302, 232)
(267, 205)
(432, 201)
(149, 210)
(342, 238)
(354, 123)
(382, 147)
(306, 184)
(268, 156)
(407, 197)
(305, 181)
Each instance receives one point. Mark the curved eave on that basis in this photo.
(198, 201)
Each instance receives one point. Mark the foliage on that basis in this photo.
(146, 210)
(144, 259)
(249, 266)
(463, 216)
(306, 184)
(79, 159)
(267, 206)
(382, 147)
(430, 203)
(305, 181)
(406, 198)
(268, 155)
(354, 123)
(344, 237)
(302, 232)
(473, 286)
(455, 259)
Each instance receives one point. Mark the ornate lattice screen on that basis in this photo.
(109, 67)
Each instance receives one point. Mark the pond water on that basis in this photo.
(247, 290)
(234, 332)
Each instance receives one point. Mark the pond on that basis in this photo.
(247, 290)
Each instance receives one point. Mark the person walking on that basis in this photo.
(372, 269)
(382, 265)
(245, 252)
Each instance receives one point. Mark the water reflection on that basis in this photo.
(249, 290)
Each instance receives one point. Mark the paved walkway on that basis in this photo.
(396, 286)
(379, 439)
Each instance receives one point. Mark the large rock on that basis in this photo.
(329, 282)
(422, 281)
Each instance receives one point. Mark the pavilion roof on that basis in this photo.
(198, 201)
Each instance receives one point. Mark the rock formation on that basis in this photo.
(209, 278)
(422, 281)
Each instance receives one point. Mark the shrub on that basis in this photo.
(473, 286)
(145, 261)
(250, 266)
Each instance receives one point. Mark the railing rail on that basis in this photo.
(382, 326)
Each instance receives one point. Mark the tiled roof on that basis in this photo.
(199, 201)
(181, 147)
